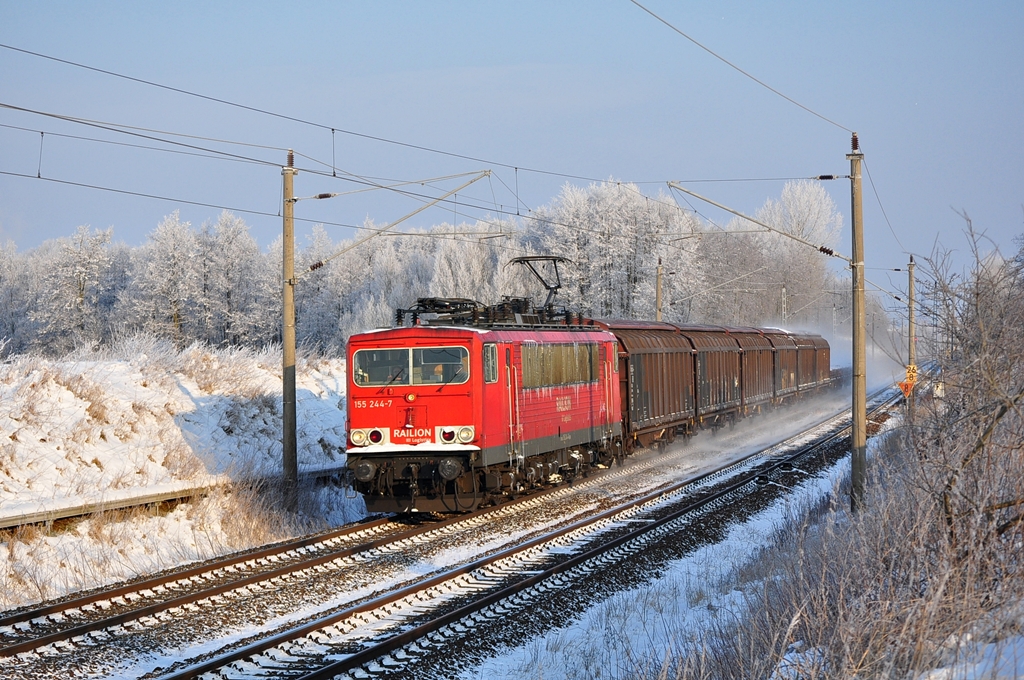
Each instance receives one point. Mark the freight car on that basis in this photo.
(480, 404)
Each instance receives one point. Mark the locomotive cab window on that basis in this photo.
(490, 363)
(441, 365)
(416, 366)
(380, 367)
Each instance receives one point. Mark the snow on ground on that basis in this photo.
(638, 632)
(640, 629)
(143, 418)
(1002, 660)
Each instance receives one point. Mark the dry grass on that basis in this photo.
(233, 368)
(934, 557)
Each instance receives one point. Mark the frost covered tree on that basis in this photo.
(807, 211)
(166, 285)
(747, 272)
(116, 279)
(70, 312)
(233, 285)
(614, 236)
(464, 267)
(322, 296)
(18, 291)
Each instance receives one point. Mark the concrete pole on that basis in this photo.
(912, 328)
(858, 433)
(785, 306)
(657, 295)
(288, 440)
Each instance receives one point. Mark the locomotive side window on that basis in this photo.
(490, 363)
(444, 365)
(550, 365)
(380, 367)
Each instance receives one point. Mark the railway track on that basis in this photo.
(115, 619)
(408, 632)
(77, 622)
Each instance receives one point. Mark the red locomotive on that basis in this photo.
(482, 403)
(441, 418)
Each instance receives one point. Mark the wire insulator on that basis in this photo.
(828, 251)
(824, 177)
(291, 158)
(324, 195)
(316, 265)
(855, 143)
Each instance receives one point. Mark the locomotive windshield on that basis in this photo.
(416, 366)
(381, 367)
(440, 365)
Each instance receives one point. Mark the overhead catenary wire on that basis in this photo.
(328, 223)
(878, 198)
(215, 153)
(110, 128)
(745, 73)
(373, 183)
(820, 248)
(212, 154)
(332, 165)
(321, 263)
(246, 211)
(370, 184)
(334, 129)
(724, 283)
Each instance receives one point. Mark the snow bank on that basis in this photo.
(81, 431)
(143, 418)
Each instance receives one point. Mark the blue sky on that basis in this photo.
(594, 89)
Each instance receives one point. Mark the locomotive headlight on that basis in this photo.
(447, 435)
(466, 434)
(364, 470)
(449, 468)
(376, 436)
(358, 437)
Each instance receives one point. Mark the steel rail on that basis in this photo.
(156, 582)
(376, 651)
(402, 593)
(228, 586)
